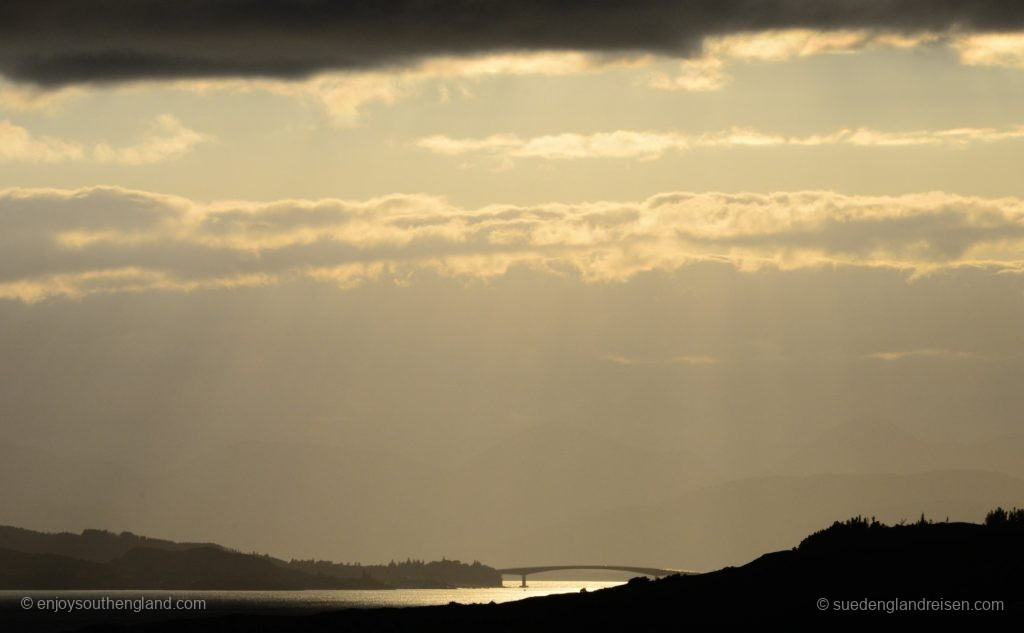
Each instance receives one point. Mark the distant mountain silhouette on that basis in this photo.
(878, 446)
(354, 500)
(545, 463)
(370, 502)
(215, 568)
(712, 526)
(151, 568)
(556, 471)
(96, 559)
(415, 574)
(92, 545)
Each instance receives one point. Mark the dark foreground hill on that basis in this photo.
(941, 568)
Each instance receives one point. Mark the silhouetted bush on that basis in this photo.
(1000, 517)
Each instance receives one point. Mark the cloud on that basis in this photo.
(690, 360)
(651, 145)
(997, 49)
(344, 94)
(78, 242)
(707, 71)
(18, 144)
(25, 97)
(920, 353)
(166, 139)
(57, 42)
(618, 144)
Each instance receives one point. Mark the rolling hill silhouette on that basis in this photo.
(96, 559)
(153, 568)
(92, 545)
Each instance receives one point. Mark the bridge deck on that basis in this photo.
(643, 571)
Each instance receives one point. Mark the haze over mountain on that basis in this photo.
(876, 446)
(734, 522)
(554, 492)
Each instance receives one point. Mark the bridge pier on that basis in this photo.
(523, 585)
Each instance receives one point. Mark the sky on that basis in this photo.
(424, 229)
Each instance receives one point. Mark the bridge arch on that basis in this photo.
(523, 572)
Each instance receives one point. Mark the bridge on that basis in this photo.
(641, 571)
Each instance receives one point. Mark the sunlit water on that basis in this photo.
(221, 602)
(338, 599)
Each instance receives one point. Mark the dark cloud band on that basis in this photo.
(56, 42)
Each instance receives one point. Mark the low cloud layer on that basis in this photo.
(166, 139)
(650, 145)
(73, 243)
(57, 42)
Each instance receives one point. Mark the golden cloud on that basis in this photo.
(104, 239)
(166, 139)
(643, 145)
